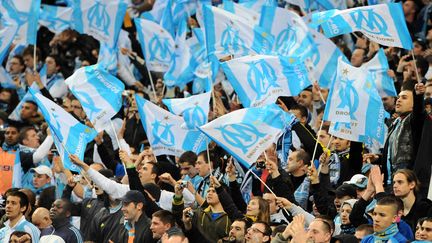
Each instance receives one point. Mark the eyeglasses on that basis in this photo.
(255, 230)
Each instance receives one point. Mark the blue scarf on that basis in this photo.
(7, 147)
(387, 234)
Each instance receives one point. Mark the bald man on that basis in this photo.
(41, 219)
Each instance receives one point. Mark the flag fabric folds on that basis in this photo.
(101, 19)
(99, 93)
(350, 120)
(5, 79)
(228, 34)
(166, 132)
(383, 23)
(260, 79)
(157, 45)
(55, 18)
(290, 32)
(193, 109)
(25, 13)
(246, 133)
(377, 67)
(8, 31)
(248, 14)
(70, 136)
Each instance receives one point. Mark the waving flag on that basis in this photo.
(8, 29)
(256, 5)
(383, 23)
(193, 109)
(5, 79)
(246, 133)
(26, 15)
(259, 80)
(332, 4)
(181, 68)
(67, 131)
(378, 67)
(290, 32)
(228, 34)
(303, 4)
(101, 19)
(248, 14)
(325, 59)
(366, 121)
(156, 43)
(56, 19)
(165, 131)
(99, 93)
(108, 58)
(155, 14)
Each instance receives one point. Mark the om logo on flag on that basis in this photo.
(261, 76)
(98, 17)
(162, 133)
(241, 136)
(286, 40)
(348, 97)
(231, 41)
(194, 116)
(159, 49)
(369, 21)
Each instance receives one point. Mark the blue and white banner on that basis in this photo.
(193, 109)
(331, 4)
(99, 93)
(256, 5)
(155, 14)
(303, 4)
(101, 19)
(56, 19)
(259, 80)
(25, 13)
(350, 120)
(383, 23)
(157, 45)
(378, 68)
(248, 14)
(290, 32)
(181, 68)
(325, 59)
(248, 132)
(228, 34)
(70, 136)
(108, 58)
(8, 30)
(5, 79)
(165, 131)
(15, 115)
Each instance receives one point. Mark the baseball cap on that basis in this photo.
(346, 190)
(133, 196)
(43, 170)
(358, 180)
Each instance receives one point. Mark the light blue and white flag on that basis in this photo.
(56, 19)
(256, 5)
(364, 121)
(15, 115)
(383, 23)
(305, 5)
(228, 34)
(325, 59)
(165, 131)
(248, 14)
(193, 109)
(101, 19)
(25, 13)
(182, 67)
(70, 136)
(331, 4)
(259, 80)
(8, 30)
(290, 32)
(108, 58)
(5, 79)
(378, 67)
(156, 43)
(248, 132)
(167, 20)
(155, 14)
(99, 93)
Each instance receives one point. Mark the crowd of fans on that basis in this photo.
(127, 194)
